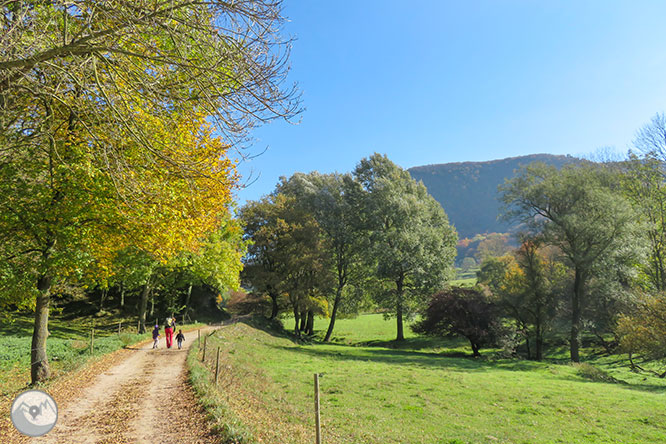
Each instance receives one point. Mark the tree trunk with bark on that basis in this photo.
(188, 296)
(274, 305)
(122, 295)
(304, 320)
(39, 363)
(576, 315)
(334, 312)
(398, 310)
(309, 325)
(539, 340)
(297, 318)
(105, 292)
(143, 306)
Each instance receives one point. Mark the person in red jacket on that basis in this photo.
(168, 330)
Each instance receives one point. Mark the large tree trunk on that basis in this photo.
(274, 305)
(398, 310)
(475, 349)
(331, 324)
(539, 340)
(186, 317)
(39, 363)
(152, 303)
(304, 320)
(143, 306)
(297, 318)
(309, 325)
(122, 294)
(105, 292)
(576, 315)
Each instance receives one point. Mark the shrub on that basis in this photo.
(464, 312)
(588, 371)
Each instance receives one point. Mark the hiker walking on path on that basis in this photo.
(180, 338)
(156, 335)
(168, 330)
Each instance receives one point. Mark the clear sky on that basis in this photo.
(450, 81)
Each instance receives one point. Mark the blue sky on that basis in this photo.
(438, 81)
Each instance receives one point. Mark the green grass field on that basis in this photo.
(425, 391)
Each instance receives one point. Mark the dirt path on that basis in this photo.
(143, 397)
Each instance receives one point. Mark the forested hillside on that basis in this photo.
(468, 190)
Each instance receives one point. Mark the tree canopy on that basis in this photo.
(116, 121)
(581, 211)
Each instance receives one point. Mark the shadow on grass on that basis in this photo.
(23, 326)
(455, 360)
(452, 360)
(273, 327)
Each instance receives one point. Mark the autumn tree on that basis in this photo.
(216, 264)
(493, 270)
(109, 126)
(643, 331)
(579, 210)
(412, 243)
(531, 290)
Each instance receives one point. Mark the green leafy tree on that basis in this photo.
(579, 210)
(644, 186)
(328, 197)
(216, 264)
(286, 257)
(412, 243)
(263, 265)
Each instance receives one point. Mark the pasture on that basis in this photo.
(426, 391)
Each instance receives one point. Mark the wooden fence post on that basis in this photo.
(199, 339)
(316, 400)
(92, 340)
(119, 325)
(217, 365)
(203, 359)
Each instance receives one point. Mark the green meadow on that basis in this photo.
(426, 390)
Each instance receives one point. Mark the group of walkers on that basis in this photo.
(169, 328)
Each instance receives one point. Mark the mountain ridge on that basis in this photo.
(468, 191)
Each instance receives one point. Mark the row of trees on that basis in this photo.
(591, 252)
(590, 256)
(321, 241)
(116, 123)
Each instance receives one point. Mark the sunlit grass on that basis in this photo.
(425, 392)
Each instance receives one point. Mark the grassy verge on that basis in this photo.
(214, 400)
(425, 392)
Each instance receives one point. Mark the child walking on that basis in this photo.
(156, 335)
(180, 338)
